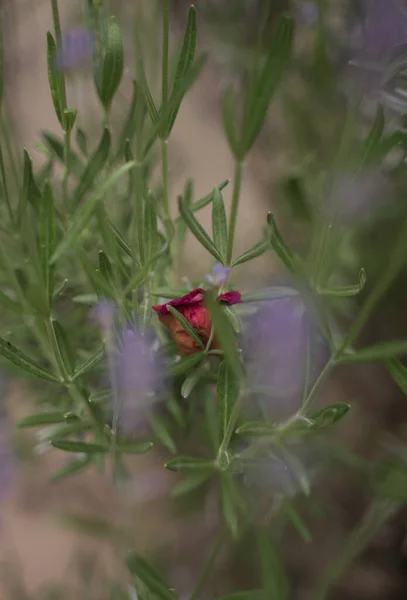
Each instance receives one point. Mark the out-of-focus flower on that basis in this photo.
(138, 374)
(279, 343)
(307, 12)
(76, 49)
(192, 307)
(377, 50)
(356, 198)
(218, 276)
(104, 313)
(135, 367)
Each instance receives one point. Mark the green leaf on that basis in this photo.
(380, 352)
(186, 325)
(135, 447)
(329, 415)
(230, 504)
(197, 229)
(227, 392)
(112, 63)
(84, 213)
(185, 61)
(230, 120)
(160, 429)
(140, 568)
(347, 291)
(134, 119)
(47, 239)
(297, 521)
(219, 224)
(41, 419)
(93, 168)
(14, 355)
(192, 380)
(148, 98)
(65, 349)
(73, 446)
(253, 252)
(105, 268)
(225, 335)
(275, 582)
(31, 193)
(202, 202)
(399, 373)
(81, 140)
(257, 429)
(372, 143)
(191, 482)
(73, 468)
(169, 293)
(122, 243)
(53, 76)
(70, 115)
(57, 148)
(179, 367)
(187, 463)
(280, 247)
(267, 80)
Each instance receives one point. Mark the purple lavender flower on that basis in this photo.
(219, 275)
(104, 313)
(76, 49)
(376, 49)
(280, 339)
(137, 375)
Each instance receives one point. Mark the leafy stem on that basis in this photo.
(237, 182)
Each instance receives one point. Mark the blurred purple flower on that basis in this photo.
(356, 198)
(307, 13)
(219, 275)
(104, 313)
(76, 49)
(377, 49)
(281, 338)
(137, 372)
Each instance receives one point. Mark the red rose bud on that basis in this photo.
(192, 307)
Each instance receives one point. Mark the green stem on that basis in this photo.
(67, 152)
(237, 182)
(375, 517)
(207, 570)
(58, 36)
(166, 31)
(166, 202)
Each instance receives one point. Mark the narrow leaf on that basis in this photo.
(47, 239)
(280, 247)
(73, 446)
(135, 447)
(227, 392)
(11, 353)
(253, 252)
(190, 483)
(53, 75)
(347, 291)
(94, 167)
(185, 463)
(219, 224)
(186, 325)
(179, 367)
(140, 568)
(90, 364)
(197, 229)
(112, 63)
(399, 373)
(73, 468)
(224, 333)
(41, 419)
(380, 352)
